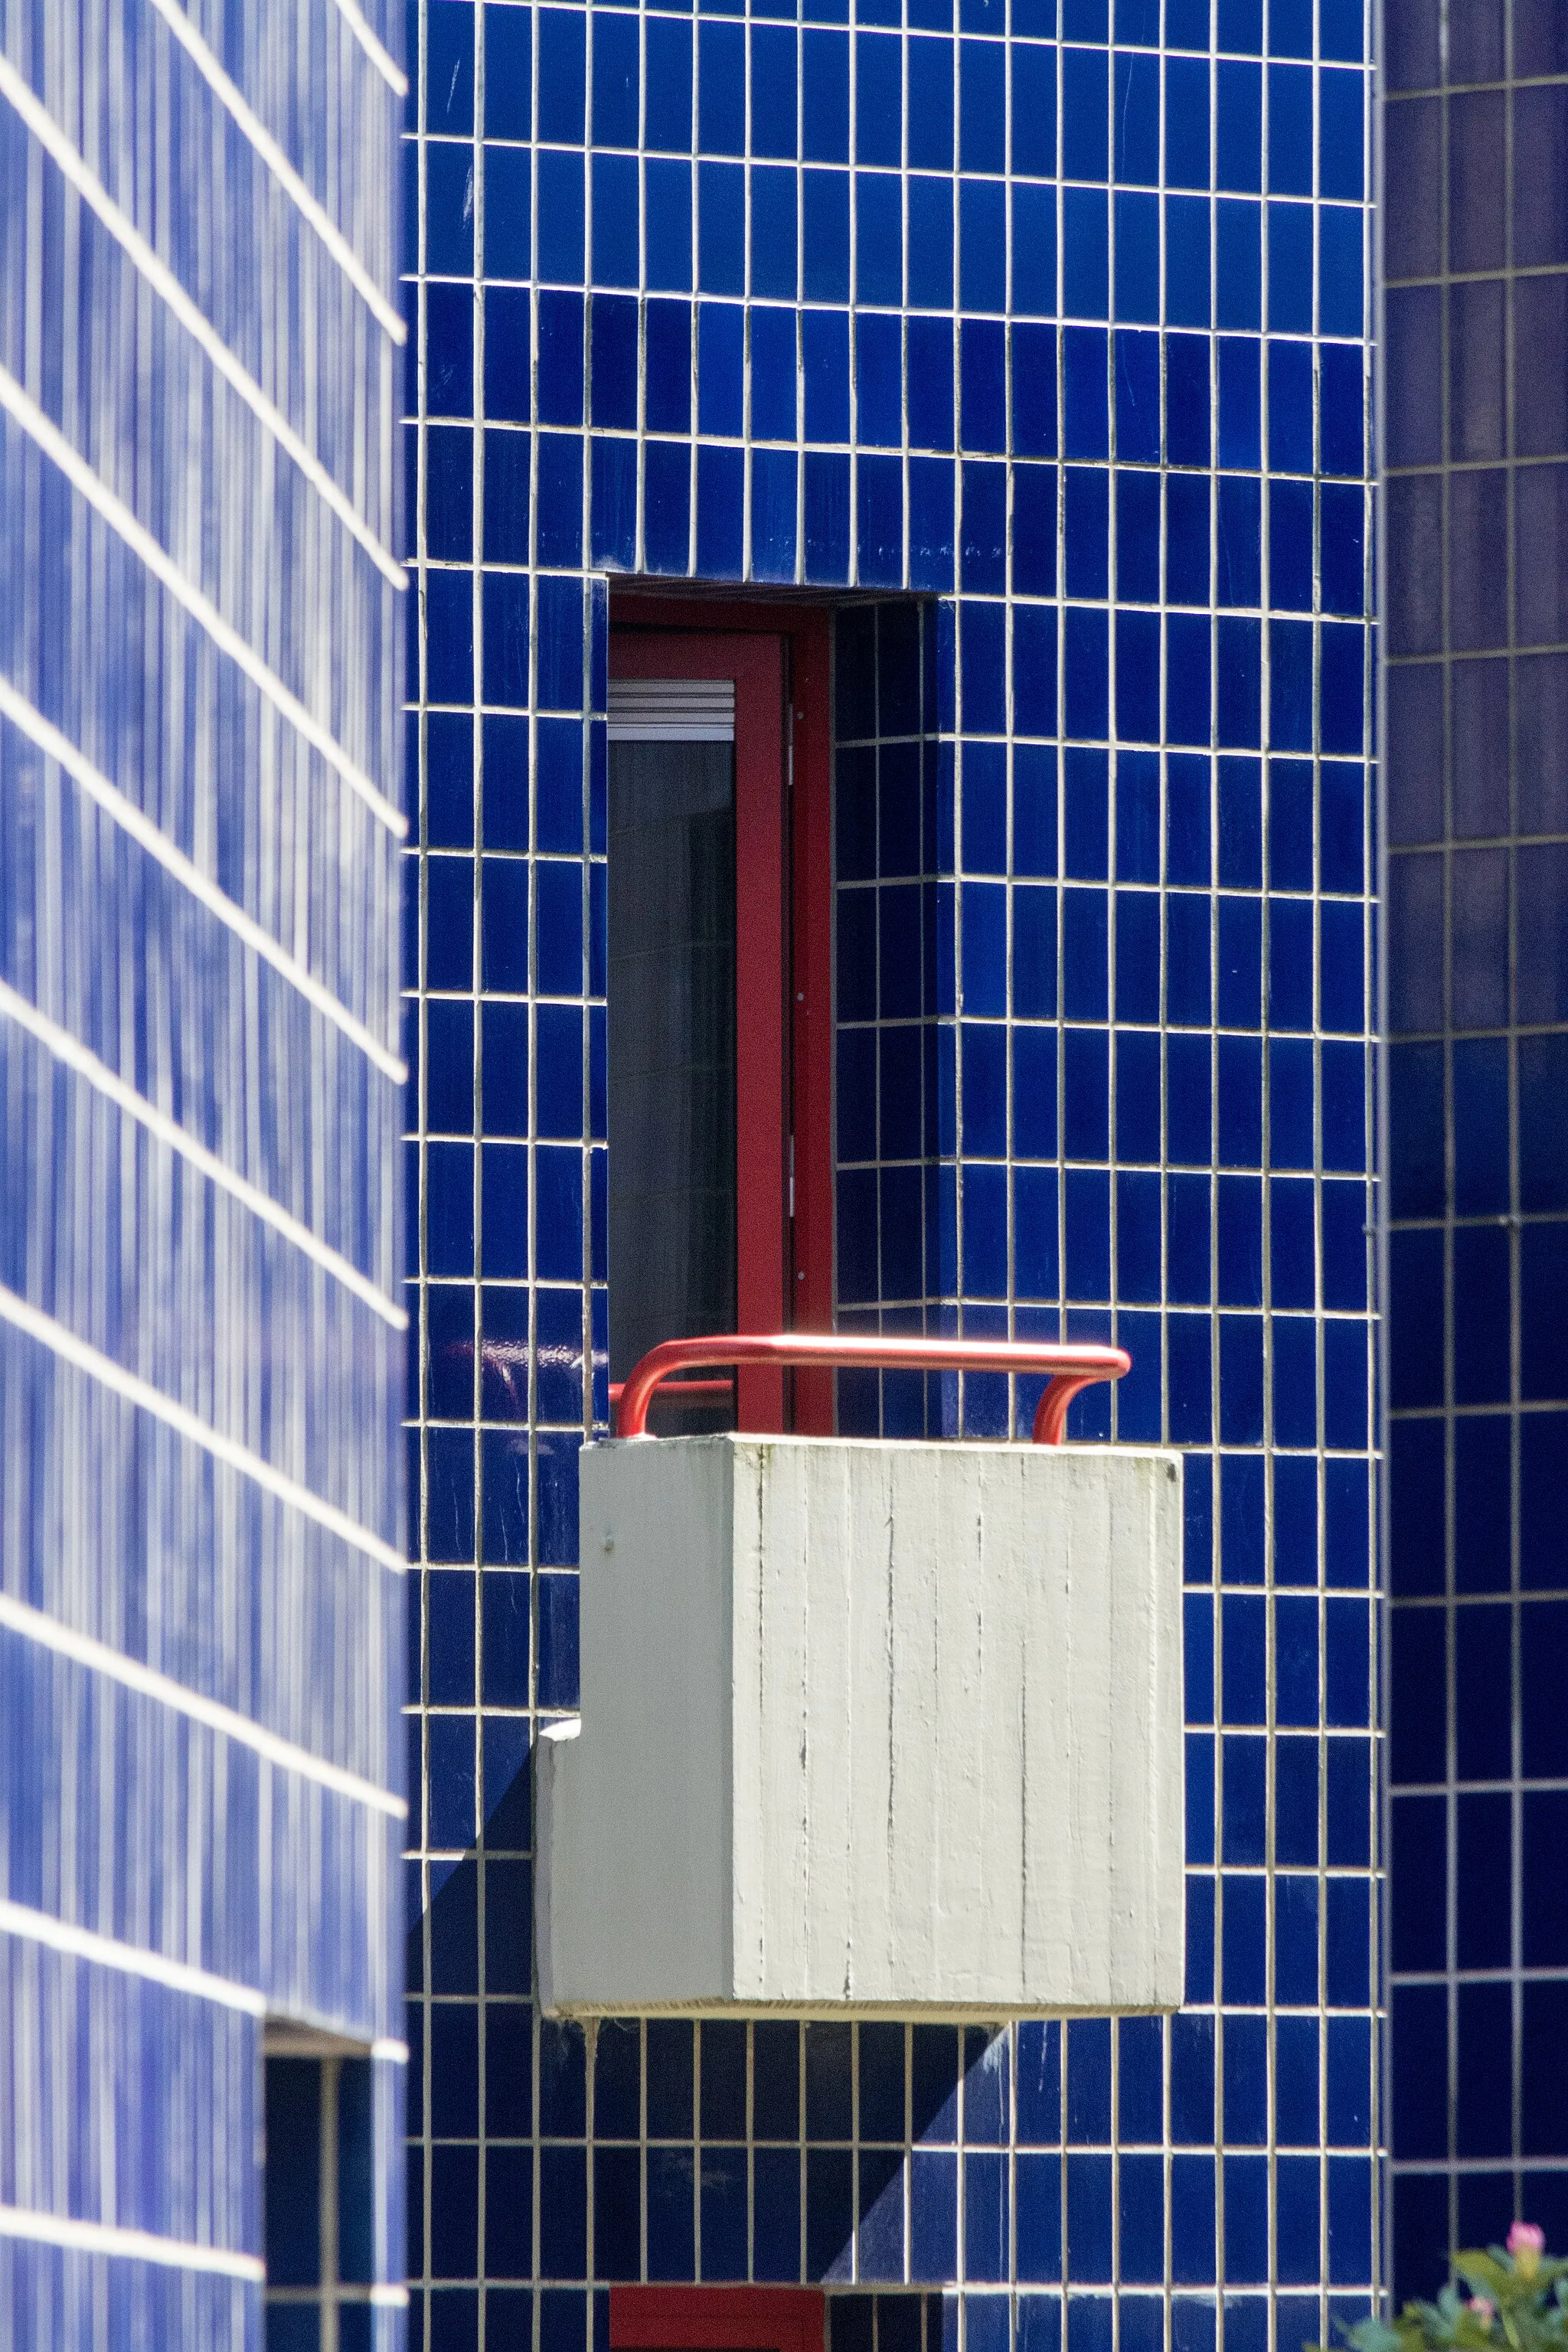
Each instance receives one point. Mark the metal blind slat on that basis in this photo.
(672, 711)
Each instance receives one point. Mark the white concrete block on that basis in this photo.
(869, 1727)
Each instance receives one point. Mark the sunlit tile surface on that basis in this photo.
(1060, 322)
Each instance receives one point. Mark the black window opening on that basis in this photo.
(671, 1052)
(318, 2199)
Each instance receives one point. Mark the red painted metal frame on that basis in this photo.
(1071, 1367)
(779, 657)
(717, 2319)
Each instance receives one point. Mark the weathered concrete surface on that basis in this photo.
(870, 1726)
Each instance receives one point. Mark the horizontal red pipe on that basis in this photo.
(682, 1392)
(1072, 1367)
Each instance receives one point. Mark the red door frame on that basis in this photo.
(717, 2319)
(779, 657)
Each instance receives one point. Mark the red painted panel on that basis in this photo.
(717, 2319)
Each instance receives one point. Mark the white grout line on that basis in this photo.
(136, 2245)
(85, 1358)
(85, 1650)
(141, 543)
(278, 164)
(386, 65)
(156, 843)
(129, 1959)
(164, 283)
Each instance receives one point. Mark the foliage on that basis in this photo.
(1518, 2303)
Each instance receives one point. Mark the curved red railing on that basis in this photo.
(1072, 1366)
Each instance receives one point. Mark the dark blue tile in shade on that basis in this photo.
(879, 520)
(1242, 1501)
(1136, 107)
(721, 512)
(561, 217)
(564, 2212)
(560, 362)
(1238, 90)
(721, 80)
(1138, 676)
(1296, 1803)
(563, 2317)
(1087, 529)
(1296, 2081)
(775, 2244)
(1088, 2223)
(720, 233)
(1237, 263)
(449, 602)
(773, 476)
(1039, 2193)
(830, 2212)
(773, 78)
(448, 781)
(448, 493)
(1483, 1862)
(1137, 292)
(723, 2196)
(668, 84)
(1192, 2245)
(617, 2251)
(1088, 2080)
(449, 350)
(1187, 401)
(1542, 1486)
(1136, 817)
(668, 218)
(1086, 393)
(668, 366)
(1186, 542)
(1187, 789)
(558, 527)
(670, 2076)
(1482, 1504)
(983, 545)
(667, 487)
(773, 374)
(616, 221)
(931, 526)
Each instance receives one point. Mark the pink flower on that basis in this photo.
(1526, 2243)
(1482, 2308)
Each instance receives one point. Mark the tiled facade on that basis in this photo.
(1476, 701)
(1047, 337)
(201, 1505)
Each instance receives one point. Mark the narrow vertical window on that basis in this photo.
(672, 1021)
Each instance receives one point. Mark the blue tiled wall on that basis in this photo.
(201, 1579)
(1048, 337)
(1477, 690)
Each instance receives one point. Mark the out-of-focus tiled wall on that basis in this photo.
(1476, 244)
(1047, 335)
(201, 1501)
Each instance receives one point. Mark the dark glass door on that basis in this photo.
(671, 1013)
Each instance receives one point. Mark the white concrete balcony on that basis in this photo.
(870, 1727)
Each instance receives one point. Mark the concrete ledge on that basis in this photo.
(869, 1728)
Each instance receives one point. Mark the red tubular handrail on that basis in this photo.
(1072, 1366)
